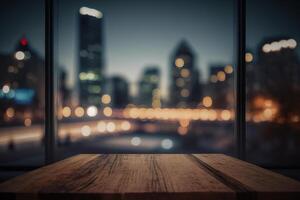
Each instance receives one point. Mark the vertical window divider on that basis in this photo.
(240, 81)
(50, 121)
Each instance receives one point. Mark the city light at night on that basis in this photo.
(228, 69)
(79, 112)
(179, 62)
(91, 12)
(5, 89)
(278, 45)
(106, 99)
(92, 111)
(150, 77)
(167, 144)
(136, 141)
(20, 55)
(249, 57)
(207, 101)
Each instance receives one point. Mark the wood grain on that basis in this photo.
(120, 177)
(150, 176)
(262, 183)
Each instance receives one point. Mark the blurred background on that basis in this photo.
(140, 76)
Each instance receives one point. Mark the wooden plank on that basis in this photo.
(261, 183)
(150, 177)
(30, 184)
(126, 176)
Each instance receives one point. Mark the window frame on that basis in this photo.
(240, 82)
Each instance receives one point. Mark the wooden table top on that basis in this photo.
(151, 176)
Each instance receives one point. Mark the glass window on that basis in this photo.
(145, 76)
(273, 82)
(140, 76)
(22, 98)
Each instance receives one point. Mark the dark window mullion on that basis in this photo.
(240, 122)
(50, 125)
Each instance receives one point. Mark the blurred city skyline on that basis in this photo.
(132, 43)
(183, 47)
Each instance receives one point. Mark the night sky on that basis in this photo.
(141, 33)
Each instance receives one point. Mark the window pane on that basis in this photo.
(22, 97)
(273, 82)
(145, 76)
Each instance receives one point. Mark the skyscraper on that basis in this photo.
(21, 75)
(185, 88)
(220, 85)
(275, 76)
(277, 58)
(149, 92)
(22, 91)
(91, 56)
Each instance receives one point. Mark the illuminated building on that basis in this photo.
(91, 57)
(276, 67)
(118, 90)
(278, 59)
(220, 85)
(185, 88)
(21, 79)
(149, 92)
(275, 74)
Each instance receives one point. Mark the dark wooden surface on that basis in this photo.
(151, 176)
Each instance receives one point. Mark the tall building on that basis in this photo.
(118, 89)
(275, 75)
(220, 86)
(149, 91)
(277, 58)
(91, 57)
(185, 89)
(21, 80)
